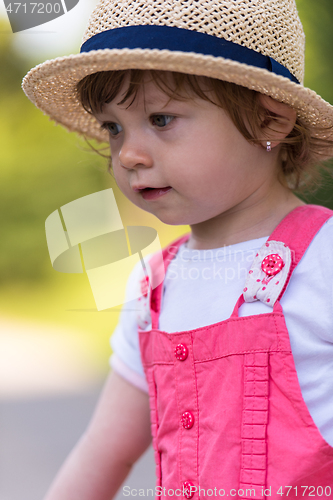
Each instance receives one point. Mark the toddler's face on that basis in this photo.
(183, 161)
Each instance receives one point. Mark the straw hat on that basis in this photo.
(258, 44)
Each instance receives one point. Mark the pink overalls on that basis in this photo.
(227, 411)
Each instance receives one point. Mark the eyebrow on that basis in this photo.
(158, 100)
(148, 101)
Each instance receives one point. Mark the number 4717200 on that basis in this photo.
(38, 8)
(302, 491)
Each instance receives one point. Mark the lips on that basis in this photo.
(144, 188)
(150, 193)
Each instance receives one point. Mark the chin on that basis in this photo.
(173, 219)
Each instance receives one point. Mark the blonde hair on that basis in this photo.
(301, 151)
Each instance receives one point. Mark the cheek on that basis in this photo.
(204, 161)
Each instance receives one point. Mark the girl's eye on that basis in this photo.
(113, 128)
(161, 120)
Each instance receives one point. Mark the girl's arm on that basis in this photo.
(117, 435)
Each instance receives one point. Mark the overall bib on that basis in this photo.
(227, 411)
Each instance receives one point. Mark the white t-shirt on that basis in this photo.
(201, 287)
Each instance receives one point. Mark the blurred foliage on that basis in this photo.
(317, 20)
(44, 167)
(41, 169)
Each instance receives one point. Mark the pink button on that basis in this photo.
(188, 489)
(187, 420)
(181, 352)
(272, 264)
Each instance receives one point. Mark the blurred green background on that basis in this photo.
(44, 167)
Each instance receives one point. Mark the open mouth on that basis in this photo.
(150, 193)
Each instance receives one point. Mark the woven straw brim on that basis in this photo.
(51, 86)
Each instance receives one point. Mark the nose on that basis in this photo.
(135, 153)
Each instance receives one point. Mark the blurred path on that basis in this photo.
(48, 390)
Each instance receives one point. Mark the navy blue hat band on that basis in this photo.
(178, 39)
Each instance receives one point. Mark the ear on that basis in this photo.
(277, 128)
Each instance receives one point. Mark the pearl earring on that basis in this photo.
(269, 146)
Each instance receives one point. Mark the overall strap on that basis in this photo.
(297, 230)
(168, 253)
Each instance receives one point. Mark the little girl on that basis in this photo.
(209, 125)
